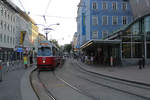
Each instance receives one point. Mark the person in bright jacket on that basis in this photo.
(25, 60)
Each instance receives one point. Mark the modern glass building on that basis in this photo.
(135, 40)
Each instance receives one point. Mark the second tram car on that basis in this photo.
(47, 57)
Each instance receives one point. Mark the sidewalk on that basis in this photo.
(16, 84)
(131, 73)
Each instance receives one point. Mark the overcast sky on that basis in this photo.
(58, 11)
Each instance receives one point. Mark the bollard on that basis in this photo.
(1, 71)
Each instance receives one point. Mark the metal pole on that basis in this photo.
(46, 35)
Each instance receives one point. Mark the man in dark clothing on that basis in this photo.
(143, 62)
(31, 60)
(140, 64)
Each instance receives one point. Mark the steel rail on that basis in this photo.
(50, 95)
(113, 79)
(142, 86)
(45, 88)
(75, 88)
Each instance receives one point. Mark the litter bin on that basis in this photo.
(1, 74)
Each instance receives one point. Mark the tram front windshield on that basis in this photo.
(44, 51)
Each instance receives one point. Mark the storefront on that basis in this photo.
(8, 54)
(102, 50)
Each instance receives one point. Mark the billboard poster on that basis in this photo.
(22, 36)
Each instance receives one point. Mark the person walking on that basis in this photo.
(25, 61)
(86, 59)
(143, 62)
(31, 60)
(140, 64)
(91, 59)
(111, 61)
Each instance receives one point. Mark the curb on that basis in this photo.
(27, 91)
(113, 77)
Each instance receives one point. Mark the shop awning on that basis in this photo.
(100, 42)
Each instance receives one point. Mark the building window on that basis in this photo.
(126, 50)
(148, 49)
(8, 27)
(5, 26)
(4, 38)
(5, 14)
(1, 37)
(95, 35)
(104, 34)
(147, 24)
(1, 24)
(124, 6)
(2, 11)
(135, 28)
(14, 19)
(137, 50)
(114, 5)
(7, 39)
(114, 20)
(14, 41)
(94, 20)
(94, 5)
(8, 16)
(124, 20)
(104, 5)
(104, 20)
(11, 40)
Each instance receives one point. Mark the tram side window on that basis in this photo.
(44, 52)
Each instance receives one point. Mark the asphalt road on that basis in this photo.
(86, 85)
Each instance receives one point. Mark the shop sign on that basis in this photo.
(19, 49)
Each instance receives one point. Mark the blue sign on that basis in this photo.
(19, 49)
(83, 24)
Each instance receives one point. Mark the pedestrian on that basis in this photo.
(31, 60)
(25, 61)
(140, 64)
(143, 61)
(92, 58)
(86, 59)
(111, 61)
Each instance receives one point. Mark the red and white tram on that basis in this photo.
(47, 57)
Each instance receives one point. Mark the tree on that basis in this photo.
(67, 48)
(55, 42)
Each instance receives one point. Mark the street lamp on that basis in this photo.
(46, 29)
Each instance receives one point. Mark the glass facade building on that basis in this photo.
(135, 39)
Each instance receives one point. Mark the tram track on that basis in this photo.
(49, 93)
(107, 80)
(54, 96)
(99, 79)
(76, 89)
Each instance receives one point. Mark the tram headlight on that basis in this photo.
(44, 61)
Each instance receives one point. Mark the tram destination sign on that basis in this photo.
(43, 43)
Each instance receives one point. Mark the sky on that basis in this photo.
(63, 12)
